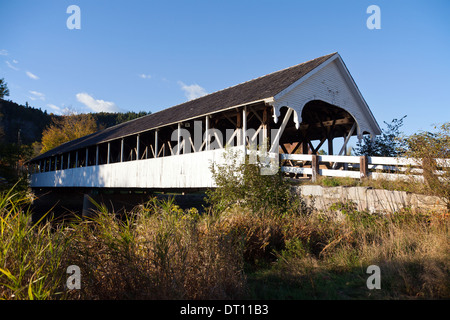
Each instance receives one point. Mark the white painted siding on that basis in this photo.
(182, 171)
(329, 84)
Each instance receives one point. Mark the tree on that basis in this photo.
(67, 128)
(4, 91)
(433, 148)
(389, 144)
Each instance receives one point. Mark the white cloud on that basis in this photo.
(97, 105)
(32, 76)
(192, 91)
(145, 76)
(37, 95)
(61, 110)
(56, 108)
(3, 52)
(11, 66)
(15, 61)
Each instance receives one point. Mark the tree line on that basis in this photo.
(26, 132)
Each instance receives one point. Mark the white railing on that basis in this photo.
(356, 166)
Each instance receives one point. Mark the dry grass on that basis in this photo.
(161, 252)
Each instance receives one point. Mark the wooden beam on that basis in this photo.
(320, 144)
(121, 149)
(138, 146)
(276, 140)
(244, 127)
(179, 139)
(330, 146)
(207, 132)
(350, 133)
(232, 122)
(326, 123)
(96, 155)
(256, 114)
(108, 153)
(156, 143)
(344, 147)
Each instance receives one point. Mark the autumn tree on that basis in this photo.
(433, 149)
(66, 128)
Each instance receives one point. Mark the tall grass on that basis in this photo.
(159, 251)
(30, 256)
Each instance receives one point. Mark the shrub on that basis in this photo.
(429, 146)
(242, 183)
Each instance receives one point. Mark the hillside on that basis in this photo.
(25, 124)
(22, 124)
(21, 130)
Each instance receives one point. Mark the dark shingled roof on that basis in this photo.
(257, 89)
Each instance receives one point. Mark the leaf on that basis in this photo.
(30, 291)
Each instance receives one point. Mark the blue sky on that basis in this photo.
(149, 55)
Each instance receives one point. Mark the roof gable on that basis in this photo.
(330, 82)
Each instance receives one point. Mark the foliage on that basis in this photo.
(162, 252)
(108, 119)
(30, 256)
(67, 128)
(241, 183)
(429, 146)
(4, 91)
(389, 144)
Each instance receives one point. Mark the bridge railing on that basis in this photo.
(357, 167)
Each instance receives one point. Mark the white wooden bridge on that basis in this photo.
(295, 111)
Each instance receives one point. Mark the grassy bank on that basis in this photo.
(163, 252)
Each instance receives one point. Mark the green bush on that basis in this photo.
(242, 183)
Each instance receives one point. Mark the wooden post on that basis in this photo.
(87, 157)
(138, 151)
(179, 139)
(68, 160)
(96, 155)
(265, 132)
(121, 150)
(76, 159)
(156, 143)
(244, 129)
(363, 167)
(276, 140)
(108, 155)
(330, 146)
(207, 133)
(315, 167)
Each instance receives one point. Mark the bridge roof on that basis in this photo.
(251, 91)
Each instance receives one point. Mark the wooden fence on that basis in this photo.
(357, 167)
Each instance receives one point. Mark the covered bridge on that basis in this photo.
(296, 110)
